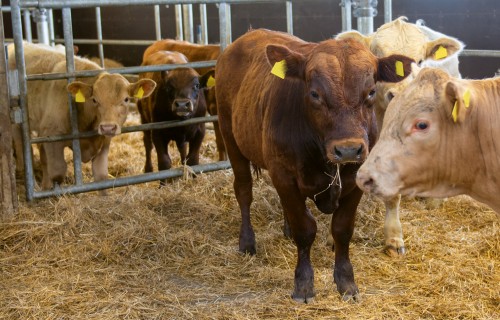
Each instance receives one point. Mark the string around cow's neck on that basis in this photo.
(335, 180)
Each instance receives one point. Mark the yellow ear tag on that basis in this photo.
(467, 98)
(79, 97)
(139, 93)
(210, 82)
(279, 69)
(400, 70)
(454, 112)
(440, 53)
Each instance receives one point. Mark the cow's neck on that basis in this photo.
(480, 142)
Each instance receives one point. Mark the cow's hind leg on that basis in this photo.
(342, 230)
(243, 190)
(394, 244)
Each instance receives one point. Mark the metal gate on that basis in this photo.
(17, 6)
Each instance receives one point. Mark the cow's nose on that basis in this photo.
(108, 129)
(348, 153)
(183, 105)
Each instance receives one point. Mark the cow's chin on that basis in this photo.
(184, 115)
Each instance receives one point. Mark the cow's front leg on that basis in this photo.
(342, 230)
(148, 147)
(161, 146)
(52, 158)
(394, 244)
(303, 230)
(100, 165)
(193, 157)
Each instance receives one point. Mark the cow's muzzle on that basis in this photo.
(353, 150)
(108, 129)
(182, 107)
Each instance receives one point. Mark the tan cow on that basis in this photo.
(428, 48)
(102, 105)
(440, 139)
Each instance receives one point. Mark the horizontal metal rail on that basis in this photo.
(480, 53)
(110, 42)
(126, 181)
(142, 127)
(58, 4)
(92, 73)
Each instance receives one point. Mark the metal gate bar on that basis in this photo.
(16, 5)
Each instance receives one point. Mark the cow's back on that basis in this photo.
(193, 52)
(245, 94)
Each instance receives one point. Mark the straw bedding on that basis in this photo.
(148, 253)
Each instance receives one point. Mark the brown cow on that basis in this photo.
(179, 96)
(195, 52)
(439, 139)
(310, 130)
(102, 105)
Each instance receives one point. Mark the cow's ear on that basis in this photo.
(355, 35)
(394, 68)
(80, 91)
(208, 79)
(457, 100)
(291, 63)
(442, 48)
(142, 88)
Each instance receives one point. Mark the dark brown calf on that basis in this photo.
(179, 95)
(195, 52)
(310, 130)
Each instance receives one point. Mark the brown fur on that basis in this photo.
(300, 129)
(196, 52)
(178, 96)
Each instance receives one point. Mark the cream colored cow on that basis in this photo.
(440, 139)
(428, 48)
(101, 101)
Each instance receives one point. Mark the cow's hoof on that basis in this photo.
(356, 297)
(301, 298)
(395, 252)
(248, 250)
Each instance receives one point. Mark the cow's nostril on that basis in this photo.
(338, 153)
(360, 152)
(368, 183)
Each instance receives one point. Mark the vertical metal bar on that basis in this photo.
(157, 22)
(346, 15)
(50, 16)
(27, 25)
(70, 67)
(387, 11)
(23, 95)
(178, 22)
(187, 10)
(203, 22)
(224, 24)
(100, 46)
(8, 193)
(42, 29)
(289, 17)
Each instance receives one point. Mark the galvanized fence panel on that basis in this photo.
(17, 7)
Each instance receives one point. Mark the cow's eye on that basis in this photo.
(196, 86)
(94, 100)
(314, 94)
(420, 62)
(390, 96)
(371, 94)
(421, 125)
(126, 99)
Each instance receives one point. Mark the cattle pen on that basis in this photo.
(171, 253)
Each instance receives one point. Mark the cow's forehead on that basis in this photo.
(341, 60)
(182, 77)
(110, 85)
(399, 37)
